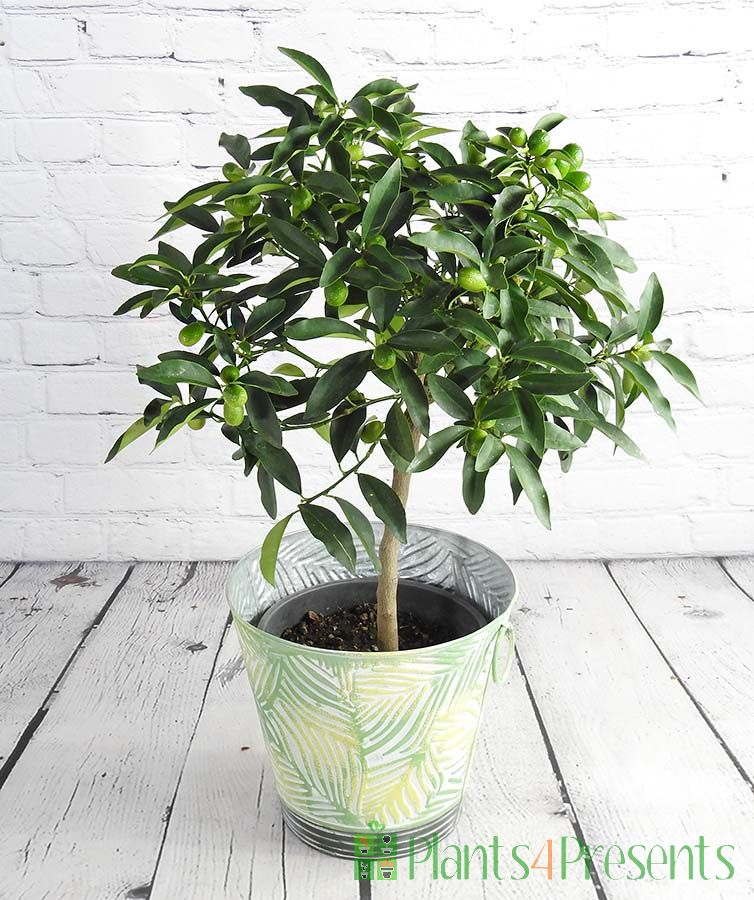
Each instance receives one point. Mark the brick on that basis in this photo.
(141, 490)
(95, 392)
(30, 490)
(49, 342)
(43, 37)
(131, 194)
(129, 142)
(57, 140)
(65, 538)
(12, 537)
(205, 38)
(141, 36)
(80, 292)
(11, 446)
(19, 289)
(6, 142)
(464, 41)
(10, 341)
(42, 243)
(130, 341)
(62, 442)
(23, 194)
(112, 243)
(727, 336)
(21, 393)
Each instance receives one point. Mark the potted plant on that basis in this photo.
(479, 285)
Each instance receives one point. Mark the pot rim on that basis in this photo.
(363, 655)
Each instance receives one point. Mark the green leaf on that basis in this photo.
(278, 462)
(339, 264)
(176, 418)
(337, 382)
(267, 492)
(650, 308)
(320, 326)
(296, 242)
(261, 316)
(327, 528)
(177, 371)
(385, 503)
(450, 397)
(269, 95)
(530, 481)
(489, 453)
(458, 192)
(543, 352)
(551, 383)
(315, 69)
(423, 341)
(270, 384)
(398, 432)
(549, 121)
(510, 200)
(472, 485)
(238, 147)
(471, 322)
(198, 217)
(345, 428)
(616, 253)
(263, 417)
(135, 430)
(381, 198)
(679, 370)
(268, 556)
(362, 528)
(289, 369)
(332, 183)
(436, 446)
(557, 438)
(532, 420)
(616, 435)
(414, 396)
(650, 387)
(447, 242)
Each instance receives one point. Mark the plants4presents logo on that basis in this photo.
(374, 855)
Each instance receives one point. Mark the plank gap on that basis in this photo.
(697, 706)
(38, 717)
(721, 562)
(7, 578)
(560, 779)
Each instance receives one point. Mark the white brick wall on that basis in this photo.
(109, 107)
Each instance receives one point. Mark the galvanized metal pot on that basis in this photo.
(373, 742)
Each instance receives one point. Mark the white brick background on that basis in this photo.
(108, 107)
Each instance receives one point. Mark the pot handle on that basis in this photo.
(502, 657)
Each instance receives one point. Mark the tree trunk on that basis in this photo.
(387, 584)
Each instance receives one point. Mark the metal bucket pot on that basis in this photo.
(373, 744)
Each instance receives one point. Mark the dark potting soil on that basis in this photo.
(356, 629)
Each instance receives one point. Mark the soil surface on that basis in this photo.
(356, 629)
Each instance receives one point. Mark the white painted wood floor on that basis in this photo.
(131, 763)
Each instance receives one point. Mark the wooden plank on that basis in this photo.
(6, 570)
(640, 763)
(512, 794)
(83, 811)
(45, 609)
(741, 570)
(704, 626)
(225, 837)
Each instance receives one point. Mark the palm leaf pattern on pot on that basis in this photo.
(355, 737)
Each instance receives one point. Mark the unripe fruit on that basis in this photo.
(191, 334)
(384, 357)
(517, 137)
(336, 293)
(233, 414)
(233, 172)
(539, 142)
(564, 167)
(243, 206)
(356, 152)
(235, 395)
(474, 441)
(230, 374)
(372, 432)
(472, 280)
(575, 154)
(196, 424)
(301, 199)
(579, 179)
